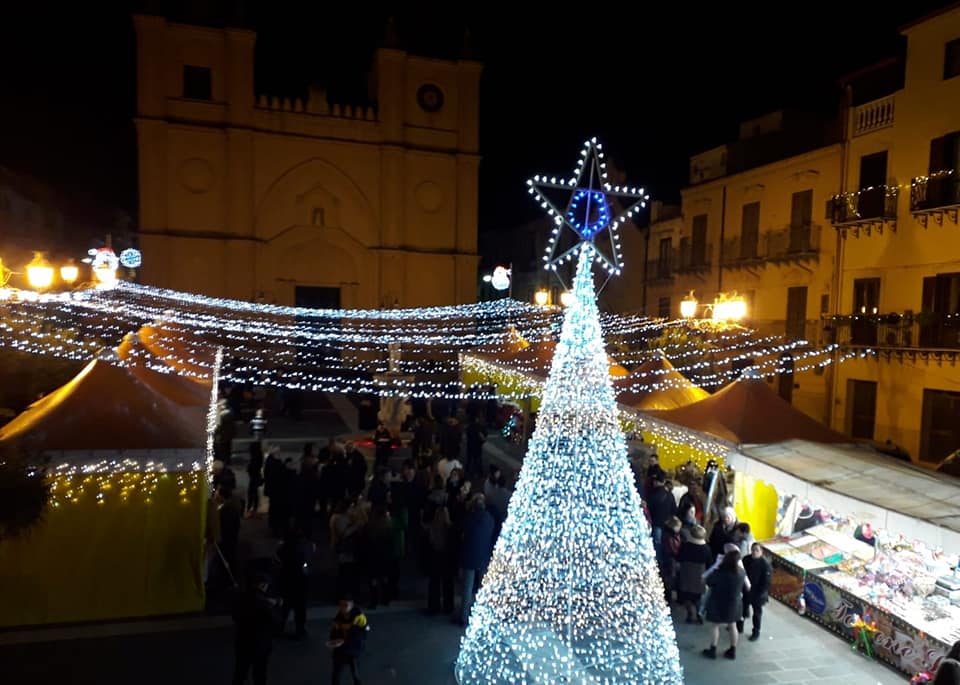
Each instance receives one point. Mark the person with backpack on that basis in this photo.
(347, 639)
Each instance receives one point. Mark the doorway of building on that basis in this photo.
(940, 429)
(785, 378)
(317, 297)
(861, 409)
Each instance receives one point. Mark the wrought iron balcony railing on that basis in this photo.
(790, 243)
(691, 257)
(939, 190)
(870, 205)
(924, 330)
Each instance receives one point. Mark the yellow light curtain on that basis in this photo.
(111, 546)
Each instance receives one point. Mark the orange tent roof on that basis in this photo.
(106, 407)
(181, 389)
(675, 389)
(751, 413)
(161, 340)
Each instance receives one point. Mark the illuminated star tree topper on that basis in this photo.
(592, 209)
(573, 594)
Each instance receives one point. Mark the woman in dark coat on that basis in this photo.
(725, 601)
(692, 562)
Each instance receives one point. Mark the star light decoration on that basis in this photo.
(588, 211)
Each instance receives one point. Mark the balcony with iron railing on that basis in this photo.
(937, 194)
(913, 335)
(793, 243)
(660, 270)
(691, 257)
(874, 206)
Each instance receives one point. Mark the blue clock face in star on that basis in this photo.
(589, 213)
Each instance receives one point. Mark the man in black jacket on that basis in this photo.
(255, 614)
(661, 505)
(759, 572)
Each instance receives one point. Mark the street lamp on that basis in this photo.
(69, 273)
(688, 306)
(39, 272)
(566, 298)
(724, 308)
(541, 297)
(729, 308)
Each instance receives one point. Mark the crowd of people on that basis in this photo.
(429, 511)
(722, 578)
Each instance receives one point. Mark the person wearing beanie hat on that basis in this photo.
(692, 560)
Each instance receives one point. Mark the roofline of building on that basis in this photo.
(931, 15)
(721, 180)
(876, 66)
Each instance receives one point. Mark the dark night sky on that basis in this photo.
(657, 82)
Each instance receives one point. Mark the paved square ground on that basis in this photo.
(405, 648)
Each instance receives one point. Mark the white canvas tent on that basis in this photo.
(858, 482)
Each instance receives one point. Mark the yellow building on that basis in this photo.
(899, 294)
(748, 224)
(303, 201)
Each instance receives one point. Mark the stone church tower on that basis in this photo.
(304, 201)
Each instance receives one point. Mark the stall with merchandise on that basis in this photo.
(864, 545)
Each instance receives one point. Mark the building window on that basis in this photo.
(663, 308)
(664, 258)
(698, 242)
(197, 83)
(749, 230)
(951, 59)
(797, 313)
(801, 217)
(861, 408)
(318, 218)
(941, 309)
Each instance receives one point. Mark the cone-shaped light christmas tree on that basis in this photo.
(572, 594)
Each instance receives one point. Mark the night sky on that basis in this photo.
(656, 83)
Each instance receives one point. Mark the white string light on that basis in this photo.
(572, 593)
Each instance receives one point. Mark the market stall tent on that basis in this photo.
(105, 407)
(159, 373)
(123, 536)
(673, 388)
(747, 411)
(858, 482)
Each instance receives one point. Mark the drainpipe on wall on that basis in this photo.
(646, 262)
(834, 310)
(723, 225)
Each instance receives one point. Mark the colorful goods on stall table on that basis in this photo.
(841, 572)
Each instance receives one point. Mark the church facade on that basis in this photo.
(304, 201)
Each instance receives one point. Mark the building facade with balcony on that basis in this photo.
(303, 201)
(749, 225)
(899, 280)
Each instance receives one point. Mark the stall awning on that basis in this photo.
(858, 482)
(751, 412)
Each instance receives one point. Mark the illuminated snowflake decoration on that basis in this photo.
(588, 211)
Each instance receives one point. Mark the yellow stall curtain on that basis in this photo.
(756, 503)
(111, 546)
